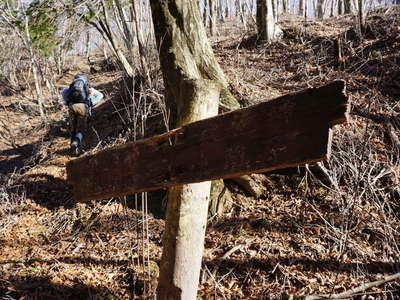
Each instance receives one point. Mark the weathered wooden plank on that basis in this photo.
(288, 131)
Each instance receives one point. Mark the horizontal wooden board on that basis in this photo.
(287, 131)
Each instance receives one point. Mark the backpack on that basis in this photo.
(78, 89)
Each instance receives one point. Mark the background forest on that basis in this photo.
(290, 234)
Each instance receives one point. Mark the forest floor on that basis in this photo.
(314, 230)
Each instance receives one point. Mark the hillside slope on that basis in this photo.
(315, 230)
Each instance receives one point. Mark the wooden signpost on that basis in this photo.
(287, 131)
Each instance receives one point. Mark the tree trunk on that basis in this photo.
(213, 11)
(38, 90)
(240, 12)
(205, 62)
(347, 6)
(354, 4)
(87, 52)
(340, 7)
(320, 9)
(194, 84)
(315, 5)
(103, 27)
(266, 26)
(205, 14)
(220, 11)
(302, 8)
(220, 198)
(105, 54)
(275, 10)
(361, 17)
(140, 41)
(333, 3)
(285, 6)
(121, 21)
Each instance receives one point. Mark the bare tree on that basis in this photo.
(267, 29)
(103, 25)
(285, 6)
(205, 12)
(333, 5)
(361, 15)
(140, 40)
(302, 8)
(27, 40)
(340, 7)
(239, 5)
(34, 25)
(347, 6)
(275, 10)
(320, 9)
(226, 9)
(220, 11)
(121, 20)
(194, 84)
(213, 16)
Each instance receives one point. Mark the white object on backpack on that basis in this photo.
(94, 96)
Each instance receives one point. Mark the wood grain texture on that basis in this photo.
(287, 131)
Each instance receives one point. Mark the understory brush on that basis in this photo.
(362, 179)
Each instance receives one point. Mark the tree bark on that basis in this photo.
(340, 7)
(35, 69)
(314, 7)
(275, 10)
(333, 5)
(266, 26)
(285, 6)
(347, 6)
(220, 11)
(122, 23)
(205, 13)
(220, 198)
(240, 12)
(213, 20)
(354, 4)
(103, 27)
(361, 16)
(140, 40)
(194, 84)
(198, 55)
(302, 8)
(320, 9)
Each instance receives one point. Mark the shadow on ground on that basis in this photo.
(30, 285)
(27, 287)
(306, 264)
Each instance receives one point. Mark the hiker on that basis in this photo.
(80, 97)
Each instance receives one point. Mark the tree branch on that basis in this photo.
(362, 288)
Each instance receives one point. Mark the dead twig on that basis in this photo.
(362, 288)
(229, 253)
(393, 136)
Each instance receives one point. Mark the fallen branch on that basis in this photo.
(229, 253)
(249, 185)
(393, 136)
(362, 288)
